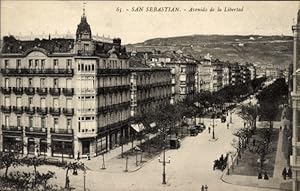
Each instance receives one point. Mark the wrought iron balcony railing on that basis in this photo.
(18, 129)
(6, 109)
(62, 131)
(6, 90)
(42, 91)
(55, 111)
(18, 109)
(29, 110)
(42, 110)
(68, 91)
(55, 91)
(38, 130)
(68, 111)
(18, 90)
(29, 90)
(38, 72)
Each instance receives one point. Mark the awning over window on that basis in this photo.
(138, 127)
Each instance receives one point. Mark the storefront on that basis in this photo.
(62, 147)
(13, 143)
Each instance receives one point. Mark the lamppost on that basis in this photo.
(84, 175)
(164, 162)
(103, 162)
(213, 123)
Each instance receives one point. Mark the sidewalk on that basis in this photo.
(113, 161)
(275, 182)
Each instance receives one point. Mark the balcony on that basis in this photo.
(6, 109)
(42, 91)
(68, 111)
(29, 110)
(18, 90)
(68, 91)
(55, 111)
(85, 53)
(15, 129)
(62, 131)
(18, 110)
(35, 130)
(29, 91)
(42, 110)
(113, 89)
(6, 90)
(113, 71)
(38, 72)
(55, 91)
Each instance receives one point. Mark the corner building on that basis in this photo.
(64, 96)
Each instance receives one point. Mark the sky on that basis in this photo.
(50, 17)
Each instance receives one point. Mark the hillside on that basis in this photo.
(260, 50)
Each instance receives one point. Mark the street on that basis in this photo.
(191, 167)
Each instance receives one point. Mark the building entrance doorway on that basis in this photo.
(85, 147)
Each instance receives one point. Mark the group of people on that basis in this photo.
(204, 188)
(221, 163)
(287, 173)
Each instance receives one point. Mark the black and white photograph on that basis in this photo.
(149, 95)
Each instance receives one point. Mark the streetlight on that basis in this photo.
(164, 162)
(126, 167)
(103, 162)
(84, 175)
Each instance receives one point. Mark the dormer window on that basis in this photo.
(6, 64)
(55, 63)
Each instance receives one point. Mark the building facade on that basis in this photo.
(67, 97)
(295, 95)
(203, 75)
(183, 70)
(216, 81)
(150, 86)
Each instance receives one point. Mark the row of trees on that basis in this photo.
(32, 180)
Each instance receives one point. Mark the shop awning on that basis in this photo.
(138, 127)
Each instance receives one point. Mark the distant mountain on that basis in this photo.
(256, 49)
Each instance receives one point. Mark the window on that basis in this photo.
(36, 66)
(18, 63)
(55, 63)
(92, 67)
(69, 124)
(43, 102)
(30, 121)
(69, 64)
(30, 64)
(6, 83)
(7, 101)
(43, 122)
(30, 82)
(43, 64)
(30, 103)
(18, 121)
(55, 103)
(55, 123)
(6, 120)
(19, 101)
(55, 83)
(19, 83)
(42, 83)
(182, 69)
(82, 67)
(6, 64)
(78, 67)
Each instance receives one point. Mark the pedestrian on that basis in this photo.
(206, 187)
(67, 182)
(208, 129)
(202, 188)
(280, 127)
(289, 173)
(253, 142)
(227, 125)
(284, 173)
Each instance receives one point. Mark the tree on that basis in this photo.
(35, 162)
(249, 113)
(72, 166)
(268, 111)
(7, 160)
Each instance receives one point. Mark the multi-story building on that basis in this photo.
(245, 74)
(183, 69)
(203, 75)
(295, 157)
(150, 86)
(216, 81)
(236, 77)
(64, 96)
(226, 74)
(252, 71)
